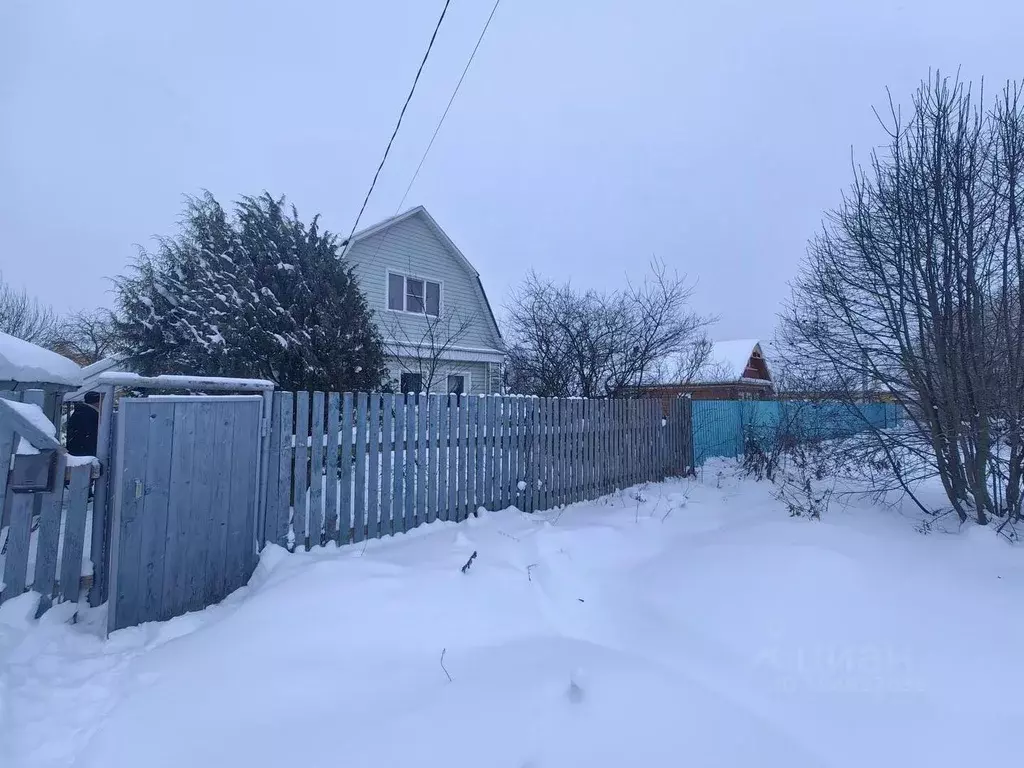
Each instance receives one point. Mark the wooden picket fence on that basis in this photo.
(355, 466)
(42, 534)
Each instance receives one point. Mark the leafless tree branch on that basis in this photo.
(913, 289)
(25, 317)
(427, 349)
(567, 342)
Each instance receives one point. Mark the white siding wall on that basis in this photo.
(411, 248)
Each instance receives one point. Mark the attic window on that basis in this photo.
(413, 294)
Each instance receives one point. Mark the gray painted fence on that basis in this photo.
(387, 463)
(186, 484)
(51, 526)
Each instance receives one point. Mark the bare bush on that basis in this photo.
(913, 289)
(25, 317)
(791, 452)
(85, 337)
(566, 342)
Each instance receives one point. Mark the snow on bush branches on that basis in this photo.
(257, 294)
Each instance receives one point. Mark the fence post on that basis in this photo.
(470, 406)
(284, 469)
(397, 501)
(480, 418)
(434, 453)
(316, 471)
(444, 456)
(301, 469)
(543, 453)
(490, 453)
(359, 492)
(411, 402)
(465, 502)
(387, 455)
(421, 459)
(74, 534)
(331, 468)
(373, 469)
(345, 457)
(48, 537)
(453, 457)
(100, 537)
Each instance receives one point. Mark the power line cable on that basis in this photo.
(398, 125)
(452, 99)
(437, 128)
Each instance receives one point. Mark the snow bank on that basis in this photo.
(22, 361)
(682, 625)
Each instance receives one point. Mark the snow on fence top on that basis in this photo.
(176, 381)
(22, 362)
(30, 423)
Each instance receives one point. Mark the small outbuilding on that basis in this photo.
(734, 370)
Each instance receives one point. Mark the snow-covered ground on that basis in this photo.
(680, 624)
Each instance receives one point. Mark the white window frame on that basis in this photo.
(405, 293)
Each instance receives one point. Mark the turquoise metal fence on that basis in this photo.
(719, 425)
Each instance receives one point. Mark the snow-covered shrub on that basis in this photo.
(258, 294)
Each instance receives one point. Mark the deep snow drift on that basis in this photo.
(672, 625)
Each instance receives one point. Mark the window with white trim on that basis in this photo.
(413, 294)
(456, 384)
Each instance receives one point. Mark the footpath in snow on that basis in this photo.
(670, 625)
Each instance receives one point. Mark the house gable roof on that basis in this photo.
(727, 363)
(435, 228)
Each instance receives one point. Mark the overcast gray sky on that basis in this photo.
(588, 136)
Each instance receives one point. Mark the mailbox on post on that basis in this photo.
(33, 473)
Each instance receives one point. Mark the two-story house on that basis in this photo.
(439, 331)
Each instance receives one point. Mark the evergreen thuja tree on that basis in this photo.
(259, 294)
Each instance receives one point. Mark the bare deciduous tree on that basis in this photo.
(425, 347)
(913, 288)
(590, 344)
(85, 336)
(23, 316)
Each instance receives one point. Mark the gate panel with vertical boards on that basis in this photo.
(185, 502)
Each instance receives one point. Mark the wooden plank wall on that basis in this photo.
(184, 531)
(391, 462)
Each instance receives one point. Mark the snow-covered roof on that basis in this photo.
(727, 362)
(101, 366)
(22, 362)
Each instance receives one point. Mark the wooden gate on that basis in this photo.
(185, 486)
